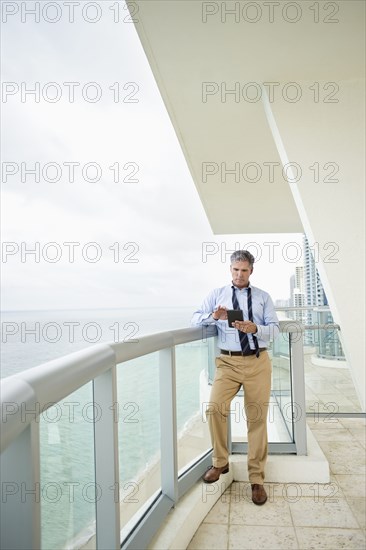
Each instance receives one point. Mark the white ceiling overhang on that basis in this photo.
(198, 52)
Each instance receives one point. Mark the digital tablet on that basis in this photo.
(234, 315)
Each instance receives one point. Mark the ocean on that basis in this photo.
(67, 488)
(30, 338)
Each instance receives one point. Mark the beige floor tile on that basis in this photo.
(353, 422)
(356, 404)
(275, 512)
(335, 402)
(241, 492)
(309, 393)
(263, 538)
(226, 497)
(330, 539)
(311, 404)
(322, 386)
(235, 486)
(311, 374)
(312, 512)
(352, 485)
(219, 513)
(324, 377)
(327, 406)
(293, 492)
(344, 458)
(359, 434)
(345, 387)
(326, 516)
(358, 508)
(325, 434)
(209, 536)
(290, 492)
(352, 396)
(320, 422)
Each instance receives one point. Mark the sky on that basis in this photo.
(115, 219)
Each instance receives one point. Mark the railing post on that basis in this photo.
(298, 388)
(229, 435)
(21, 492)
(168, 424)
(212, 354)
(106, 461)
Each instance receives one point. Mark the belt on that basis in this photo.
(234, 353)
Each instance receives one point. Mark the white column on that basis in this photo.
(326, 139)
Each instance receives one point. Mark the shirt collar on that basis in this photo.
(245, 288)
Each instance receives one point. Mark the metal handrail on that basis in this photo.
(40, 387)
(326, 326)
(302, 308)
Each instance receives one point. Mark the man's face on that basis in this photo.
(241, 272)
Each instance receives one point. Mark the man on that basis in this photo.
(243, 361)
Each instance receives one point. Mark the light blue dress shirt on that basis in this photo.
(264, 316)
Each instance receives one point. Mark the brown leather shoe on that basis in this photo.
(259, 495)
(213, 473)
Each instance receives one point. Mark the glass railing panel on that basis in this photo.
(212, 353)
(67, 488)
(279, 419)
(280, 414)
(192, 394)
(138, 402)
(328, 344)
(329, 387)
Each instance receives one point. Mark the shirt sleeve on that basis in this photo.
(203, 315)
(270, 328)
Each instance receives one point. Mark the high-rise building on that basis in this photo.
(315, 296)
(292, 287)
(313, 288)
(306, 289)
(298, 296)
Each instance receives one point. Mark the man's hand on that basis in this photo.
(220, 313)
(245, 326)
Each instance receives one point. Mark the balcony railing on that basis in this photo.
(27, 396)
(319, 330)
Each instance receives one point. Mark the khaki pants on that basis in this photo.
(255, 376)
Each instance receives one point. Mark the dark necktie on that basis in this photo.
(244, 340)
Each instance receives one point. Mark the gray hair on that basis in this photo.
(242, 256)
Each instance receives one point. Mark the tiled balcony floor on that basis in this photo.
(298, 516)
